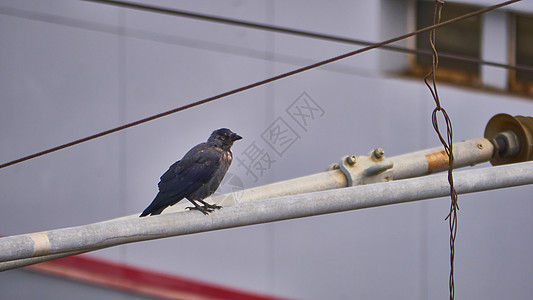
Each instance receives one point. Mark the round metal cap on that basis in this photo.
(522, 127)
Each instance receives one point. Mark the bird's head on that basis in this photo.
(223, 138)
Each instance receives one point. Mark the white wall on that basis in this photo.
(71, 69)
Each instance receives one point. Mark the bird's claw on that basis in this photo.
(212, 206)
(204, 209)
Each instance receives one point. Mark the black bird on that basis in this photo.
(197, 175)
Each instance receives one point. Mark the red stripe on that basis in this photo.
(137, 280)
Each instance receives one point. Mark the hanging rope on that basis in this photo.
(431, 83)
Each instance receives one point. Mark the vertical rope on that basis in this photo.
(431, 83)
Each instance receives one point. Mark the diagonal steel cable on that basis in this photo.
(256, 84)
(204, 17)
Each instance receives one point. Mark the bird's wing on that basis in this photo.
(191, 172)
(171, 172)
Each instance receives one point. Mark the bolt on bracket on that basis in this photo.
(362, 169)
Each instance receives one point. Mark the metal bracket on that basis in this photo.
(365, 169)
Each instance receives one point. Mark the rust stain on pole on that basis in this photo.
(437, 160)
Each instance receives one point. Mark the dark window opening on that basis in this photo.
(461, 38)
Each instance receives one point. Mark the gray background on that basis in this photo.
(69, 69)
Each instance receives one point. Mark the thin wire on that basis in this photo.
(66, 21)
(448, 143)
(310, 34)
(256, 84)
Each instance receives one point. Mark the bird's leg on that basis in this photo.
(204, 210)
(210, 206)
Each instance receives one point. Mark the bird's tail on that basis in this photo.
(146, 212)
(157, 206)
(154, 207)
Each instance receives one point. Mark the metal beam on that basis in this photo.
(112, 233)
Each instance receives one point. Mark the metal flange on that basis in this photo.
(361, 170)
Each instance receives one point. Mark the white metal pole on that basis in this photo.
(467, 153)
(112, 233)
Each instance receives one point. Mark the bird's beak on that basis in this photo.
(235, 137)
